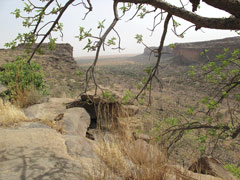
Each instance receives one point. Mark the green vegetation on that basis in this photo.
(22, 79)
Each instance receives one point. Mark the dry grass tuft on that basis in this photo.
(27, 97)
(10, 114)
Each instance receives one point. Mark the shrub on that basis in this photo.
(23, 80)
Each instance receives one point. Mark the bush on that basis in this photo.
(23, 80)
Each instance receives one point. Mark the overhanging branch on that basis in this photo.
(231, 23)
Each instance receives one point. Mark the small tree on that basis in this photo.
(22, 78)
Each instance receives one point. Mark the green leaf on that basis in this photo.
(172, 46)
(139, 38)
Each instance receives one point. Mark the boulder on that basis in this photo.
(48, 110)
(76, 122)
(209, 165)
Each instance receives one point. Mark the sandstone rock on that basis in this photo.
(76, 122)
(48, 110)
(80, 147)
(211, 166)
(187, 53)
(36, 153)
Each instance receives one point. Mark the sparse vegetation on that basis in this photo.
(233, 169)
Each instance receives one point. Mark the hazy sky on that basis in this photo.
(72, 20)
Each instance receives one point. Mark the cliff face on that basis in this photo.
(62, 54)
(186, 53)
(192, 51)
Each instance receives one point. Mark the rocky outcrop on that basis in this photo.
(187, 53)
(35, 151)
(192, 51)
(62, 53)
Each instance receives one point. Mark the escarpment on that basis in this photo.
(187, 53)
(62, 54)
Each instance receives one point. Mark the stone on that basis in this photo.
(211, 166)
(79, 147)
(48, 110)
(36, 153)
(76, 122)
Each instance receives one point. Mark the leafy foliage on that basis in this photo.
(222, 77)
(20, 76)
(127, 97)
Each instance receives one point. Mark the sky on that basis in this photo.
(72, 20)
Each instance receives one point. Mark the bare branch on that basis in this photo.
(52, 27)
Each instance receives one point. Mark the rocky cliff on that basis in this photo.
(186, 53)
(58, 65)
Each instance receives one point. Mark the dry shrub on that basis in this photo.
(27, 97)
(10, 114)
(149, 162)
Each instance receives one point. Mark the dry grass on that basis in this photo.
(58, 126)
(27, 97)
(124, 158)
(10, 114)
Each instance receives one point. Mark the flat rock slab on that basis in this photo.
(40, 153)
(48, 110)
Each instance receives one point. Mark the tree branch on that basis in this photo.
(231, 23)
